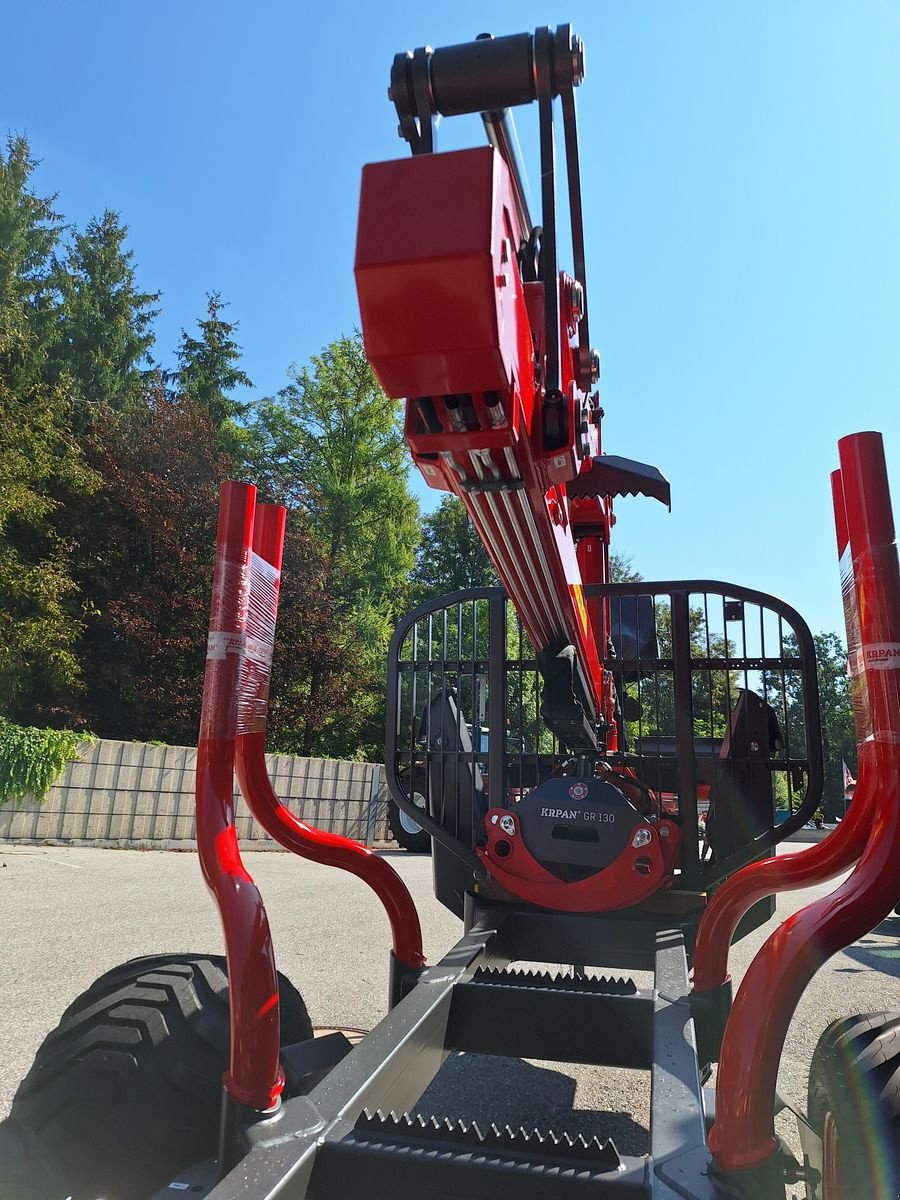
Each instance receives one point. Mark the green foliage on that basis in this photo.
(31, 760)
(38, 633)
(836, 715)
(330, 448)
(524, 694)
(621, 570)
(836, 709)
(713, 692)
(450, 556)
(208, 372)
(30, 230)
(40, 459)
(104, 321)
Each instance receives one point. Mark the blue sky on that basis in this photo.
(741, 168)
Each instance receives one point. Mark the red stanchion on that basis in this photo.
(277, 820)
(820, 863)
(254, 1076)
(743, 1136)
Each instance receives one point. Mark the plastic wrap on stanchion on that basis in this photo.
(259, 646)
(872, 539)
(862, 717)
(254, 1077)
(225, 646)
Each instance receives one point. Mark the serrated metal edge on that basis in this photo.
(605, 985)
(458, 1132)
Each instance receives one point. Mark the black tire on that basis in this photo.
(854, 1106)
(126, 1091)
(25, 1169)
(404, 830)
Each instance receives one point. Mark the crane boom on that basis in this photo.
(466, 315)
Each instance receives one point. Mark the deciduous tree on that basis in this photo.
(330, 447)
(450, 555)
(145, 546)
(836, 711)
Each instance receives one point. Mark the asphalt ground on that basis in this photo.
(69, 914)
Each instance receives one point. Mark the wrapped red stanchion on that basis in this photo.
(743, 1138)
(240, 646)
(274, 816)
(254, 1077)
(821, 862)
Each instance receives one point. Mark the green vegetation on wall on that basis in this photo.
(31, 760)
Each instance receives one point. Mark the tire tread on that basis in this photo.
(855, 1075)
(127, 1089)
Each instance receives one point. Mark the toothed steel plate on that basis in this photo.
(586, 985)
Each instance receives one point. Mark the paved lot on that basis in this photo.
(69, 914)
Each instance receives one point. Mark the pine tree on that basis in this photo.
(103, 351)
(208, 372)
(39, 457)
(30, 231)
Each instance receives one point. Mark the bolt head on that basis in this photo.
(577, 61)
(643, 837)
(577, 295)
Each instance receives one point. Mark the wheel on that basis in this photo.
(406, 832)
(26, 1170)
(127, 1090)
(854, 1106)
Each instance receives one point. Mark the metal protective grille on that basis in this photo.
(717, 714)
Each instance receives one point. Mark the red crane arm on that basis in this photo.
(490, 350)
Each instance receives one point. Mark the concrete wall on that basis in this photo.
(133, 794)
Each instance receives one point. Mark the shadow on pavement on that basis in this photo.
(873, 954)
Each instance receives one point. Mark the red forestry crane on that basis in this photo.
(466, 315)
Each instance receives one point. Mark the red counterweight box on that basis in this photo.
(440, 294)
